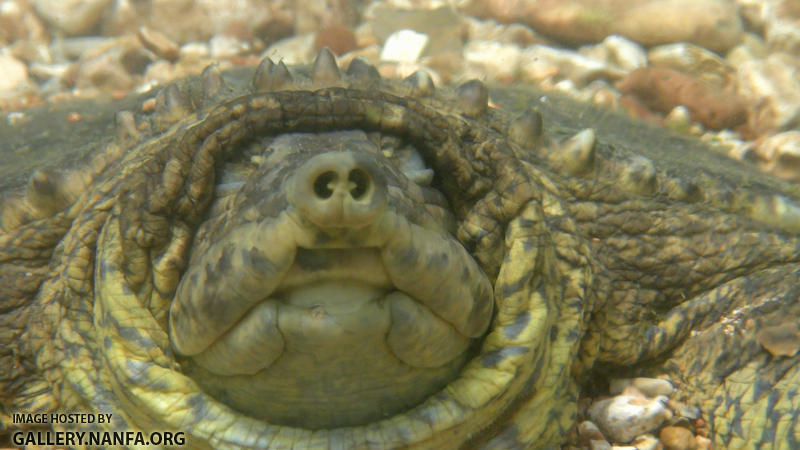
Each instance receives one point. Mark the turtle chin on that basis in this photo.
(335, 371)
(336, 345)
(364, 390)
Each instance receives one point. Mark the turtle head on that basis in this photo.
(326, 290)
(324, 260)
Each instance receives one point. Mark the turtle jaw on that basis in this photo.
(348, 334)
(332, 355)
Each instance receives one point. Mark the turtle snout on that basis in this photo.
(341, 189)
(354, 185)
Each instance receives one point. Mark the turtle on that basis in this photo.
(309, 257)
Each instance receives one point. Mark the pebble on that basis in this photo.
(683, 410)
(194, 50)
(104, 71)
(135, 60)
(679, 119)
(30, 51)
(539, 62)
(633, 406)
(279, 25)
(19, 22)
(624, 417)
(198, 20)
(632, 391)
(339, 39)
(677, 438)
(646, 442)
(365, 35)
(752, 47)
(782, 26)
(443, 25)
(692, 60)
(15, 75)
(448, 63)
(310, 16)
(159, 43)
(653, 387)
(754, 13)
(47, 71)
(292, 50)
(70, 49)
(701, 428)
(491, 59)
(650, 387)
(625, 53)
(619, 51)
(663, 89)
(491, 30)
(404, 46)
(588, 431)
(783, 36)
(599, 444)
(604, 95)
(771, 89)
(713, 24)
(71, 17)
(729, 143)
(224, 46)
(703, 443)
(567, 87)
(163, 71)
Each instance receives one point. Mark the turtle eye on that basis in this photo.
(408, 159)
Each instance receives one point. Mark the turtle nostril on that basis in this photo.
(338, 189)
(322, 184)
(360, 181)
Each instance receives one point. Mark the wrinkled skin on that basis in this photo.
(237, 268)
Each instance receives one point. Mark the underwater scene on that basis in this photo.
(391, 224)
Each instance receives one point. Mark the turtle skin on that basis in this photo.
(250, 258)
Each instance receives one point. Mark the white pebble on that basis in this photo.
(404, 46)
(624, 417)
(650, 387)
(15, 73)
(772, 90)
(226, 46)
(646, 442)
(627, 54)
(194, 50)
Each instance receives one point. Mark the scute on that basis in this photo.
(359, 69)
(270, 76)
